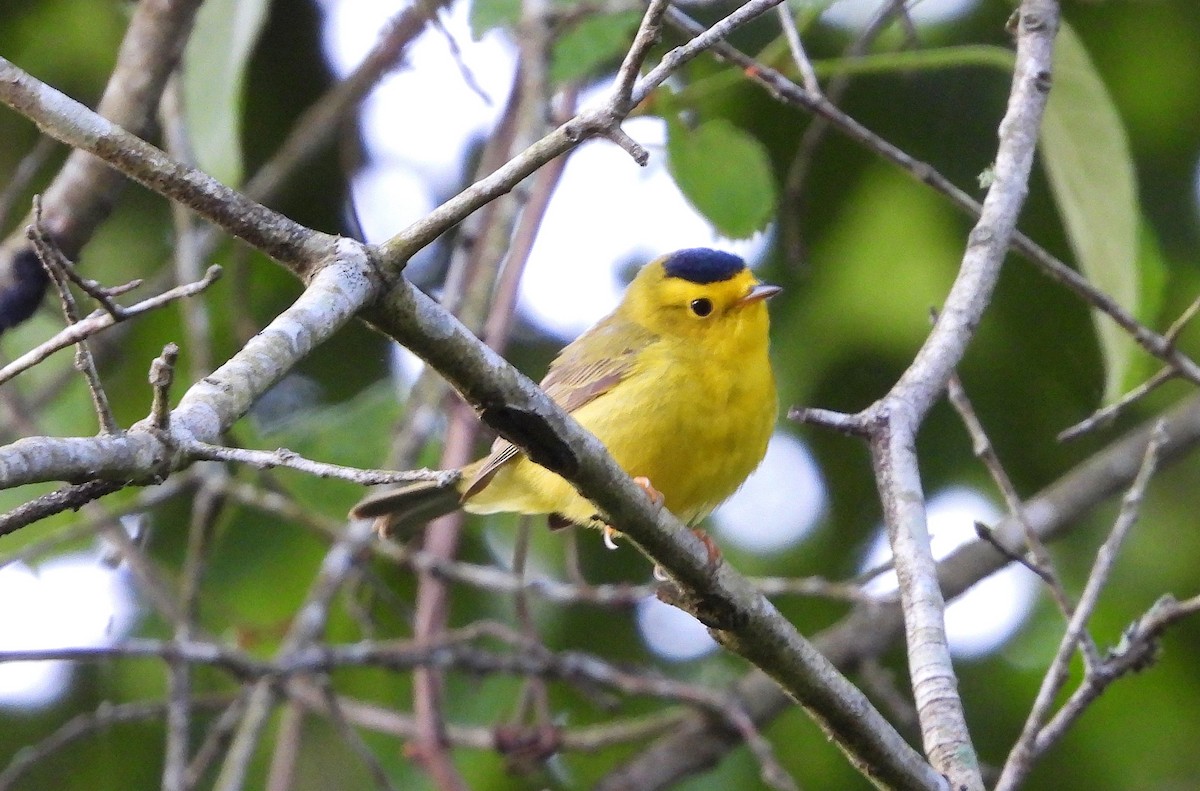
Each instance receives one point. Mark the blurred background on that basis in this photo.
(862, 250)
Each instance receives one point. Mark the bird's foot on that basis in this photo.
(656, 497)
(710, 546)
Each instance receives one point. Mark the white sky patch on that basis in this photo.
(780, 502)
(70, 601)
(987, 615)
(855, 14)
(671, 633)
(606, 213)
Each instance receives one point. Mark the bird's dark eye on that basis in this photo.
(701, 307)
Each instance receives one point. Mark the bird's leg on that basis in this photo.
(656, 499)
(609, 532)
(710, 546)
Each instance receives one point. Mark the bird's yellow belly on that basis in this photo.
(695, 439)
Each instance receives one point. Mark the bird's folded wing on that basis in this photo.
(586, 369)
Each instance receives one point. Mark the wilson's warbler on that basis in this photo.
(675, 382)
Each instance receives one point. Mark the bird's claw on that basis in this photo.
(710, 546)
(656, 497)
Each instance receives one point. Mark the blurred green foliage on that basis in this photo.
(878, 251)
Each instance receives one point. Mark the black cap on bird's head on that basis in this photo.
(702, 265)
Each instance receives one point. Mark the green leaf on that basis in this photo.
(593, 42)
(213, 77)
(1087, 159)
(489, 14)
(724, 173)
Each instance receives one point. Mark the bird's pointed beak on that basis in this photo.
(759, 293)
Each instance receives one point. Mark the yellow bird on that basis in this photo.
(676, 383)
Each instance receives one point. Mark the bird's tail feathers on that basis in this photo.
(408, 506)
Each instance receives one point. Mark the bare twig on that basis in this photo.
(1041, 563)
(1137, 650)
(584, 739)
(1177, 326)
(807, 73)
(162, 375)
(1026, 750)
(282, 457)
(57, 268)
(850, 425)
(100, 320)
(1107, 413)
(648, 34)
(282, 772)
(216, 738)
(68, 498)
